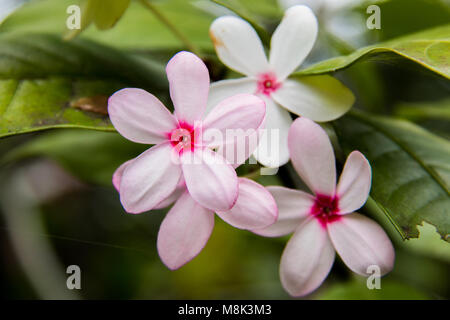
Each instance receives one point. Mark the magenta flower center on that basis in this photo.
(326, 209)
(267, 83)
(183, 137)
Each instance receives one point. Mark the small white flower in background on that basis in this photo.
(326, 221)
(320, 98)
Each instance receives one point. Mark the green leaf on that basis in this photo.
(411, 170)
(430, 49)
(137, 29)
(356, 289)
(424, 110)
(48, 83)
(106, 152)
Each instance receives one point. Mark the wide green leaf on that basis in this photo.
(411, 170)
(48, 83)
(430, 49)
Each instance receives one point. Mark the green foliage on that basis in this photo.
(411, 169)
(430, 48)
(89, 155)
(48, 83)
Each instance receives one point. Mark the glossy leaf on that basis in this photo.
(49, 83)
(430, 48)
(411, 170)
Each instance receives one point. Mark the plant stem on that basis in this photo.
(177, 33)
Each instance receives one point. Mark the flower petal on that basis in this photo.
(292, 40)
(238, 45)
(139, 116)
(184, 232)
(273, 149)
(223, 89)
(319, 98)
(211, 181)
(307, 259)
(255, 207)
(293, 207)
(361, 242)
(176, 194)
(189, 86)
(233, 119)
(354, 184)
(149, 179)
(117, 176)
(312, 156)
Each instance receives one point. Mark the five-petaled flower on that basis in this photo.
(182, 166)
(326, 221)
(321, 98)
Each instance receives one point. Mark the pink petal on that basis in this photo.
(184, 232)
(117, 176)
(293, 208)
(239, 115)
(354, 184)
(307, 259)
(210, 180)
(255, 207)
(149, 179)
(293, 40)
(312, 156)
(273, 149)
(176, 194)
(238, 45)
(139, 116)
(189, 86)
(361, 242)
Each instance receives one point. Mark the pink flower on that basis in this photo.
(325, 222)
(182, 166)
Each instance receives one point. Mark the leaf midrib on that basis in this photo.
(406, 149)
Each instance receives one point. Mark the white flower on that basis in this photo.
(320, 98)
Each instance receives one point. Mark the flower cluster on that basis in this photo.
(190, 163)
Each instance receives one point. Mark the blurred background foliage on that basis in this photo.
(57, 202)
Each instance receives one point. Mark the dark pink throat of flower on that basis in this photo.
(326, 209)
(267, 84)
(183, 138)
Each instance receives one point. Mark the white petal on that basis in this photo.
(293, 40)
(184, 232)
(354, 184)
(361, 243)
(139, 116)
(149, 179)
(319, 98)
(273, 149)
(312, 156)
(223, 89)
(238, 45)
(293, 207)
(307, 259)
